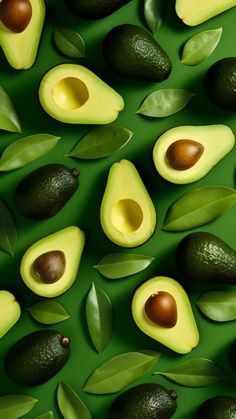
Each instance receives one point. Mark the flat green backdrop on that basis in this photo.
(83, 208)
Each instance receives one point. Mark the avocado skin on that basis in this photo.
(204, 257)
(94, 9)
(43, 192)
(145, 401)
(133, 52)
(36, 358)
(232, 356)
(220, 83)
(218, 407)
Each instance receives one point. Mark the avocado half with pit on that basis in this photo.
(187, 153)
(162, 310)
(73, 94)
(50, 266)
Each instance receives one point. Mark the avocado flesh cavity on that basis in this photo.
(127, 214)
(9, 312)
(94, 9)
(20, 49)
(217, 141)
(218, 407)
(73, 94)
(71, 242)
(181, 338)
(194, 12)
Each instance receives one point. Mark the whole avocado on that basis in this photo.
(37, 357)
(43, 192)
(145, 401)
(133, 52)
(218, 407)
(94, 9)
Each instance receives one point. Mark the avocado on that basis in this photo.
(185, 154)
(10, 312)
(45, 191)
(145, 401)
(204, 257)
(94, 9)
(220, 83)
(232, 355)
(127, 213)
(20, 49)
(73, 94)
(154, 313)
(37, 357)
(193, 12)
(218, 407)
(131, 51)
(70, 241)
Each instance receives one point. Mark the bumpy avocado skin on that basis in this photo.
(36, 358)
(145, 401)
(133, 52)
(218, 407)
(94, 9)
(43, 192)
(204, 257)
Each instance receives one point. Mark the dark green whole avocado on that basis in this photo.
(43, 192)
(94, 9)
(218, 407)
(133, 52)
(220, 83)
(232, 356)
(37, 357)
(145, 401)
(204, 257)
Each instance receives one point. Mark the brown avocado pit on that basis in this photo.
(50, 266)
(15, 14)
(161, 309)
(184, 154)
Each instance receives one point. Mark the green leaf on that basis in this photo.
(101, 142)
(165, 102)
(119, 265)
(70, 405)
(99, 315)
(8, 231)
(14, 406)
(200, 46)
(9, 120)
(120, 371)
(24, 151)
(199, 207)
(48, 312)
(69, 42)
(154, 13)
(47, 415)
(218, 305)
(194, 372)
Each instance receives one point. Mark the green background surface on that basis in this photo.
(83, 208)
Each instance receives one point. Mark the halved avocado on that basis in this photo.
(215, 141)
(127, 214)
(183, 336)
(70, 241)
(194, 12)
(20, 49)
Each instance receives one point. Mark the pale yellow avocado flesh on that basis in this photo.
(9, 312)
(20, 49)
(217, 141)
(194, 12)
(71, 241)
(73, 94)
(127, 213)
(181, 338)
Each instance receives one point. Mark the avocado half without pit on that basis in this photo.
(193, 12)
(73, 94)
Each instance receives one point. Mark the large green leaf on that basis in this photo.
(14, 406)
(9, 120)
(8, 231)
(70, 405)
(200, 46)
(119, 265)
(69, 42)
(219, 306)
(48, 312)
(154, 12)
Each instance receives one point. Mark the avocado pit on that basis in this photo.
(184, 154)
(161, 309)
(15, 14)
(50, 266)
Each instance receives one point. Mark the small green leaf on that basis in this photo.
(14, 406)
(9, 120)
(99, 315)
(200, 46)
(165, 102)
(195, 372)
(154, 13)
(119, 265)
(24, 151)
(101, 142)
(69, 42)
(120, 371)
(198, 207)
(219, 306)
(8, 231)
(48, 312)
(70, 405)
(47, 415)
